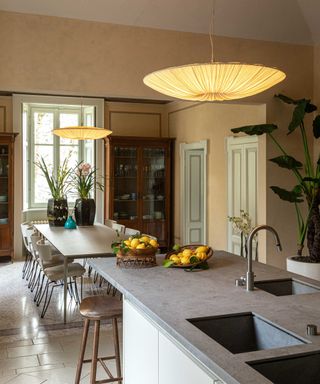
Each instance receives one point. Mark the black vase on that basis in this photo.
(57, 212)
(85, 211)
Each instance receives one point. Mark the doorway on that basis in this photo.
(193, 192)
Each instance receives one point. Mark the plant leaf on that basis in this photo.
(293, 196)
(167, 263)
(298, 115)
(193, 259)
(287, 162)
(287, 99)
(316, 127)
(258, 129)
(311, 108)
(312, 179)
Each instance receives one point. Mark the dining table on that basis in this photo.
(81, 243)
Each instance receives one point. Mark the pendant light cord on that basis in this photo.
(211, 29)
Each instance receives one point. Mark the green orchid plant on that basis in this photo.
(58, 183)
(307, 174)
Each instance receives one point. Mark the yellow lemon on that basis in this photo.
(144, 239)
(187, 252)
(127, 242)
(141, 246)
(201, 255)
(185, 260)
(135, 243)
(202, 248)
(175, 259)
(154, 243)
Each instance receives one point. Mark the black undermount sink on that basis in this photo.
(245, 332)
(296, 369)
(285, 287)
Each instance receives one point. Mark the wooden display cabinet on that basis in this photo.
(6, 195)
(138, 184)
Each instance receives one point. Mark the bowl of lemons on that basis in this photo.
(187, 256)
(136, 252)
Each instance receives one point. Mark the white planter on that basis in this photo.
(311, 270)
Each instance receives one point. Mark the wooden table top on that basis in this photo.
(88, 241)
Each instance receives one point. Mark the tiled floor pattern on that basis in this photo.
(51, 357)
(35, 350)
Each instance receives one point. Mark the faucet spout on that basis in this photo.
(250, 274)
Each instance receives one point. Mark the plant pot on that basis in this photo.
(57, 212)
(311, 270)
(84, 211)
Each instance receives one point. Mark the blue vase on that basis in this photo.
(70, 223)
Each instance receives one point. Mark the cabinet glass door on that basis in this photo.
(125, 205)
(4, 184)
(153, 192)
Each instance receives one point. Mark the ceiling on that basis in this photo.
(291, 21)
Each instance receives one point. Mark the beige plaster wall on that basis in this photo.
(6, 114)
(65, 56)
(212, 122)
(136, 119)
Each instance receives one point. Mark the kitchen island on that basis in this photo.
(162, 347)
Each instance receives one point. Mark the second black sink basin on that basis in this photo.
(285, 287)
(297, 369)
(245, 332)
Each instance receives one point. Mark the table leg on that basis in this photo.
(65, 282)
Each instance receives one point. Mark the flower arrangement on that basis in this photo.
(85, 179)
(58, 183)
(242, 224)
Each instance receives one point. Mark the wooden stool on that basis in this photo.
(97, 308)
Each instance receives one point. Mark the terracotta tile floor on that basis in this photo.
(35, 350)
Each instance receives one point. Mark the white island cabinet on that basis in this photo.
(151, 357)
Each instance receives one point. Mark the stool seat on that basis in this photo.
(101, 307)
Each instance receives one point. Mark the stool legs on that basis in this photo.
(95, 352)
(95, 357)
(82, 350)
(116, 346)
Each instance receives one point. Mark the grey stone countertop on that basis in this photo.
(169, 296)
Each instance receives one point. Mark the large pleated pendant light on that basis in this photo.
(82, 132)
(214, 81)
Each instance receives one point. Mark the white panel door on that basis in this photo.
(140, 349)
(193, 193)
(242, 183)
(175, 367)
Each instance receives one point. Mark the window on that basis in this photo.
(39, 120)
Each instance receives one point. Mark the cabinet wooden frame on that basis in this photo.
(7, 181)
(159, 227)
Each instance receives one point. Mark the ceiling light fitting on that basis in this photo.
(214, 81)
(82, 132)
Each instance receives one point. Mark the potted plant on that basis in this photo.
(306, 189)
(84, 181)
(57, 208)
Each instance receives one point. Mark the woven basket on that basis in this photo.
(138, 258)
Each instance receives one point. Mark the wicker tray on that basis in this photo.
(191, 246)
(139, 258)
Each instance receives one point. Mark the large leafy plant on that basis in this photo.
(307, 174)
(58, 182)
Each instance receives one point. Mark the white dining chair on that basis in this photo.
(131, 231)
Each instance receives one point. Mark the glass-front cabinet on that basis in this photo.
(6, 194)
(138, 179)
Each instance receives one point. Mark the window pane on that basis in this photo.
(68, 120)
(41, 189)
(43, 126)
(72, 151)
